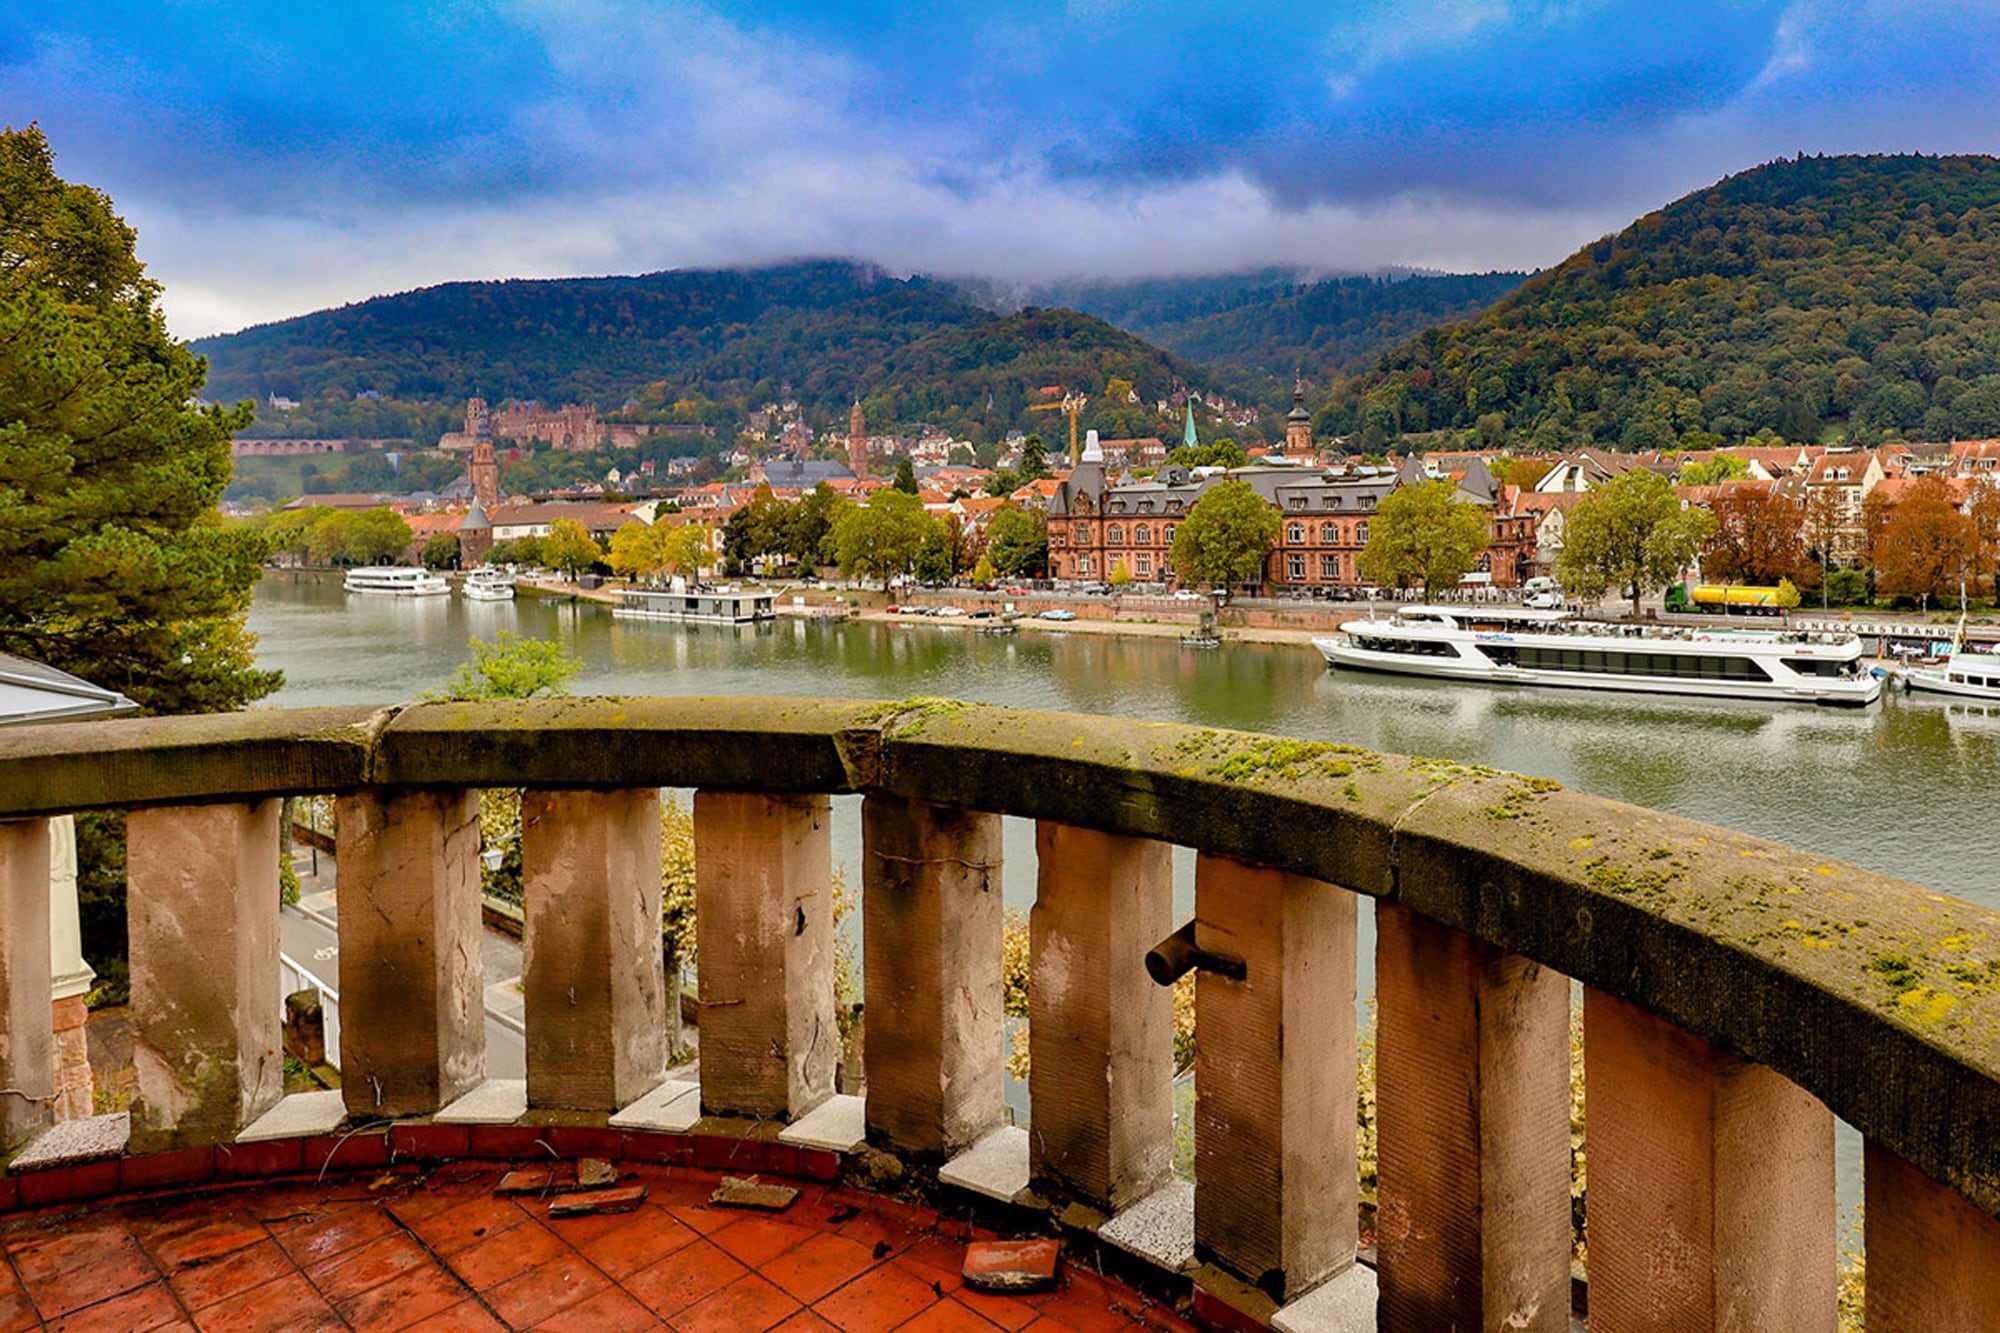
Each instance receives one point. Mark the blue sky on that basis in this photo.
(277, 158)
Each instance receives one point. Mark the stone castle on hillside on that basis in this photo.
(571, 427)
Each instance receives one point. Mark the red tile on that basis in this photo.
(805, 1321)
(69, 1184)
(879, 1299)
(273, 1157)
(609, 1311)
(747, 1305)
(1012, 1265)
(1089, 1304)
(700, 1217)
(17, 1312)
(210, 1280)
(165, 1170)
(280, 1306)
(71, 1271)
(507, 1255)
(584, 1141)
(526, 1300)
(465, 1317)
(683, 1277)
(347, 1275)
(652, 1146)
(149, 1307)
(508, 1142)
(200, 1240)
(586, 1203)
(1007, 1311)
(581, 1229)
(948, 1316)
(321, 1233)
(402, 1301)
(468, 1223)
(429, 1142)
(818, 1265)
(345, 1152)
(758, 1240)
(648, 1237)
(819, 1164)
(940, 1260)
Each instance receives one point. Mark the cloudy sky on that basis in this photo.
(282, 156)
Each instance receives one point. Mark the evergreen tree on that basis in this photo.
(113, 563)
(906, 476)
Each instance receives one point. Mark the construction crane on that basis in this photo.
(1071, 406)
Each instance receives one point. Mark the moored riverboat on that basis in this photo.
(395, 581)
(489, 585)
(724, 606)
(1964, 675)
(1506, 646)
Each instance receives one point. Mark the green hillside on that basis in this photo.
(1275, 322)
(725, 333)
(982, 380)
(1853, 296)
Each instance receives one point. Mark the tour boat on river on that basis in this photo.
(489, 585)
(395, 581)
(1966, 675)
(1508, 646)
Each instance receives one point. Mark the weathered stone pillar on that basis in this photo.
(1274, 1077)
(27, 1044)
(1711, 1184)
(593, 970)
(412, 986)
(71, 977)
(1100, 1033)
(1472, 1117)
(764, 932)
(202, 915)
(1933, 1256)
(931, 934)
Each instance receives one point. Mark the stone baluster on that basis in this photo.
(1711, 1199)
(764, 933)
(1100, 1032)
(412, 986)
(932, 920)
(202, 918)
(1274, 1077)
(1933, 1256)
(1472, 1115)
(592, 971)
(27, 1034)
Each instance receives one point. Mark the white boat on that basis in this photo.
(489, 585)
(1966, 675)
(722, 606)
(395, 581)
(1505, 646)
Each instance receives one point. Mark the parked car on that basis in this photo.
(1095, 590)
(1058, 613)
(984, 613)
(1189, 595)
(950, 611)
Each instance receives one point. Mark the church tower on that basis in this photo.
(1298, 424)
(857, 441)
(484, 473)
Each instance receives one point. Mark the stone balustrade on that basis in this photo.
(1737, 995)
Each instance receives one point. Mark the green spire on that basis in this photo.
(1187, 431)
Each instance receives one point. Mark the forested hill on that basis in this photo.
(984, 379)
(1819, 296)
(820, 326)
(1276, 322)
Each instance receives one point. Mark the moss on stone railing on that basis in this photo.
(1876, 996)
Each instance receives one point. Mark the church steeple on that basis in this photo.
(1188, 437)
(1298, 422)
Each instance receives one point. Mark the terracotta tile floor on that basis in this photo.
(437, 1250)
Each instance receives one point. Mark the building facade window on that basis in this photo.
(1145, 566)
(1083, 564)
(1361, 533)
(1295, 535)
(1329, 568)
(1142, 535)
(1328, 534)
(1295, 568)
(1167, 534)
(1115, 534)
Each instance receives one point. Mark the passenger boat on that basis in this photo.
(720, 606)
(1966, 675)
(489, 585)
(1506, 646)
(395, 581)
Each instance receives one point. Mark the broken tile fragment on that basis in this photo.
(594, 1173)
(618, 1199)
(1011, 1265)
(749, 1192)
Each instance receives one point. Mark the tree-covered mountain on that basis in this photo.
(985, 379)
(820, 326)
(1816, 297)
(1276, 322)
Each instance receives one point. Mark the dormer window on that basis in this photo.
(1298, 502)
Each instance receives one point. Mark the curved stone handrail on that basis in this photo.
(1876, 996)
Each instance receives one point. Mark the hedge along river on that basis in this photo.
(1905, 788)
